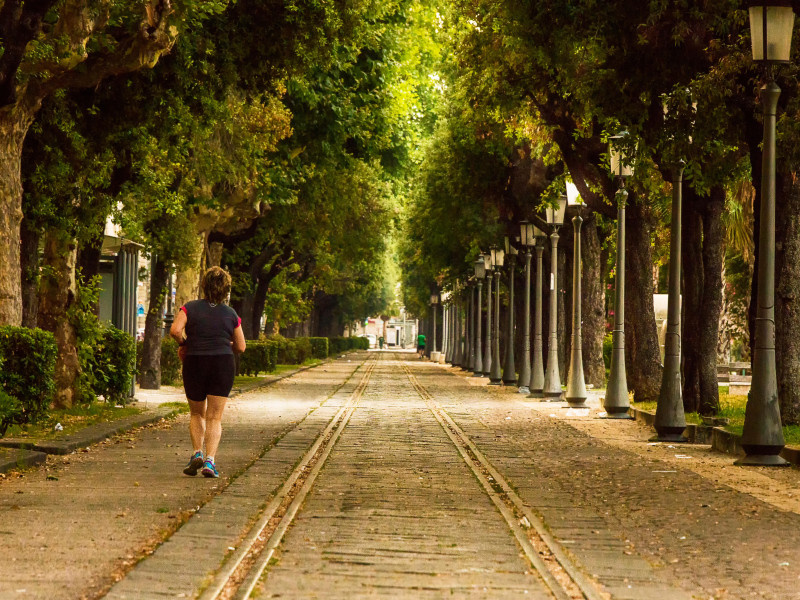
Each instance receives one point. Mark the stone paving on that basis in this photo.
(395, 512)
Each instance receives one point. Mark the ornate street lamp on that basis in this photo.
(495, 374)
(771, 25)
(552, 377)
(480, 273)
(458, 351)
(670, 420)
(434, 304)
(576, 384)
(616, 401)
(468, 309)
(487, 350)
(537, 370)
(526, 238)
(509, 366)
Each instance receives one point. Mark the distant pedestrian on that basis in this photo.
(421, 345)
(208, 333)
(380, 342)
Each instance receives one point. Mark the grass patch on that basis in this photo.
(177, 407)
(72, 420)
(731, 408)
(240, 380)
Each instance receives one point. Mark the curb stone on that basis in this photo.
(19, 458)
(718, 438)
(88, 436)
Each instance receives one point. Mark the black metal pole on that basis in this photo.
(762, 438)
(670, 420)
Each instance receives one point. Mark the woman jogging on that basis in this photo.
(208, 333)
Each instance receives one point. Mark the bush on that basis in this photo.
(259, 357)
(28, 359)
(319, 347)
(608, 346)
(170, 363)
(342, 344)
(114, 365)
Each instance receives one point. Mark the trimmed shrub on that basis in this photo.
(114, 365)
(259, 357)
(342, 344)
(319, 347)
(170, 363)
(28, 359)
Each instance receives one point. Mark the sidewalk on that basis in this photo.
(74, 525)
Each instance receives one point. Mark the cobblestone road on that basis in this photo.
(395, 511)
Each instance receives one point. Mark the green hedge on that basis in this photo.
(319, 347)
(114, 365)
(170, 363)
(28, 358)
(258, 357)
(342, 344)
(292, 351)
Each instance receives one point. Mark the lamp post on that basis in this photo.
(434, 303)
(458, 351)
(480, 273)
(487, 350)
(537, 370)
(468, 301)
(448, 357)
(510, 366)
(616, 401)
(576, 384)
(526, 238)
(771, 25)
(552, 378)
(670, 420)
(495, 373)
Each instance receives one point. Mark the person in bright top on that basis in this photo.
(421, 345)
(208, 333)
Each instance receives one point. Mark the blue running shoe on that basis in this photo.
(194, 464)
(209, 469)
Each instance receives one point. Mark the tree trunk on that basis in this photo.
(711, 307)
(30, 264)
(13, 127)
(643, 359)
(58, 294)
(592, 305)
(150, 377)
(787, 294)
(187, 279)
(692, 297)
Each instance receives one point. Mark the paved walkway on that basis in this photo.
(395, 511)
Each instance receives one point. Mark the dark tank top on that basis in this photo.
(209, 328)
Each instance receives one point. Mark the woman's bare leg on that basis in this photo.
(214, 410)
(197, 424)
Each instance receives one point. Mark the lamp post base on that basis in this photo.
(577, 402)
(762, 456)
(623, 414)
(509, 382)
(495, 382)
(553, 397)
(477, 375)
(674, 437)
(538, 394)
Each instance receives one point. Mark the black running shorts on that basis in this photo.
(208, 376)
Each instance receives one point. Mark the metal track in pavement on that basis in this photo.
(240, 574)
(557, 569)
